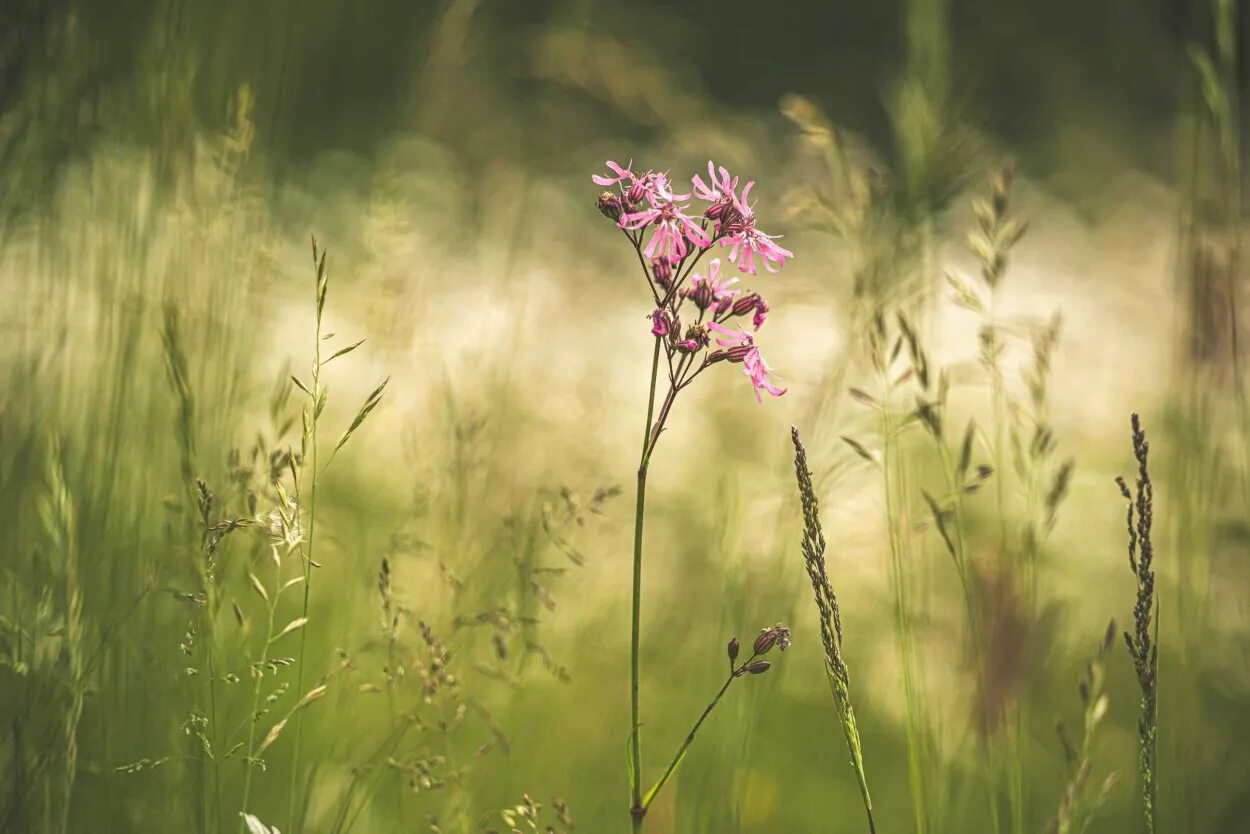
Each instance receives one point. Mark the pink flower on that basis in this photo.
(660, 323)
(646, 186)
(673, 227)
(710, 291)
(745, 241)
(717, 187)
(622, 174)
(720, 191)
(742, 349)
(761, 310)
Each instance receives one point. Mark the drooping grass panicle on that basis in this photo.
(1143, 647)
(830, 619)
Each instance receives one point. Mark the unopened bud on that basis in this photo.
(610, 205)
(717, 210)
(734, 647)
(765, 642)
(701, 295)
(636, 192)
(745, 304)
(663, 272)
(778, 636)
(758, 667)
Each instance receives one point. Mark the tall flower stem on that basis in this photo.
(635, 751)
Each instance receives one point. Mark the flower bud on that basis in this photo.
(734, 647)
(758, 667)
(697, 333)
(610, 205)
(765, 642)
(717, 210)
(661, 324)
(701, 295)
(637, 191)
(778, 636)
(745, 304)
(663, 272)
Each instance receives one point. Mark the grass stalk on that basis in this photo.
(916, 752)
(1143, 645)
(830, 621)
(258, 675)
(312, 415)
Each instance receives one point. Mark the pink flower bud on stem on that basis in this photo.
(610, 205)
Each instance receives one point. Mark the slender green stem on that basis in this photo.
(961, 553)
(681, 751)
(635, 751)
(915, 742)
(258, 673)
(308, 560)
(916, 757)
(206, 629)
(341, 821)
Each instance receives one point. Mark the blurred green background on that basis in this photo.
(162, 166)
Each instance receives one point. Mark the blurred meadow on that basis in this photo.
(465, 638)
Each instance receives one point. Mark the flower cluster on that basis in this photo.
(670, 238)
